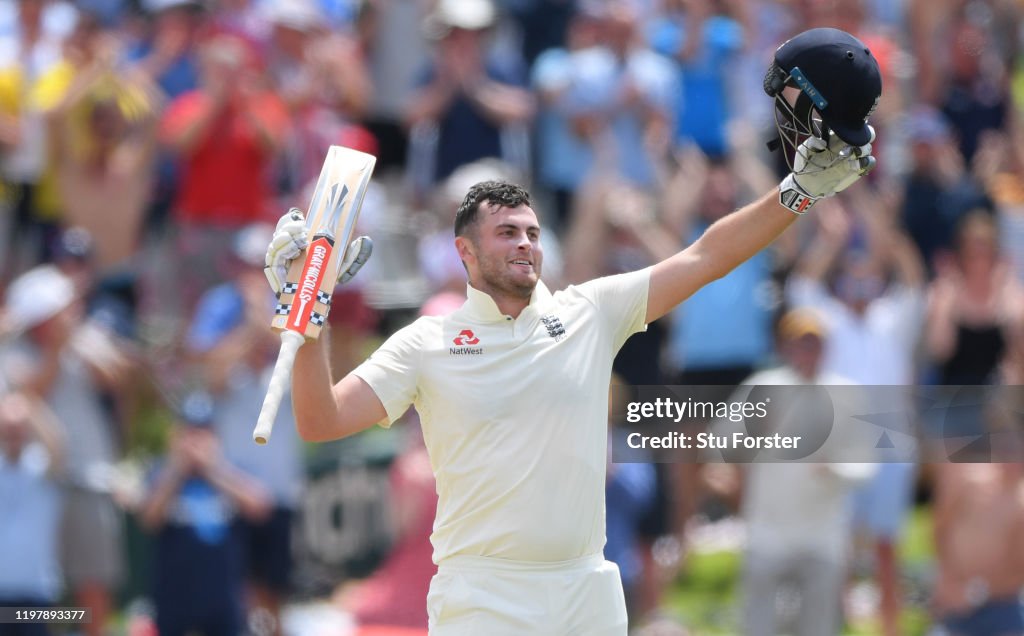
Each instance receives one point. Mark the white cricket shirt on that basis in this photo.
(515, 415)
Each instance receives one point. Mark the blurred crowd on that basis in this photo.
(148, 147)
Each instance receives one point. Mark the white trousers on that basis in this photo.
(470, 596)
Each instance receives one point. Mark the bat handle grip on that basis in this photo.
(290, 343)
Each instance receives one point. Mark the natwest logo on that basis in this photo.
(464, 344)
(466, 337)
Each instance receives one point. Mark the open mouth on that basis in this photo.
(522, 265)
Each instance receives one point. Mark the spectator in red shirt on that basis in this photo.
(226, 135)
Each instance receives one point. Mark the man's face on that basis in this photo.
(502, 250)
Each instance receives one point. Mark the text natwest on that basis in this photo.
(465, 337)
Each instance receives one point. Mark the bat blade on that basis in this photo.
(305, 298)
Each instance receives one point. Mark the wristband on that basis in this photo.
(792, 196)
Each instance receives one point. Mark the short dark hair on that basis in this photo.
(502, 193)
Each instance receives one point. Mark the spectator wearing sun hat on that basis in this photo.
(797, 511)
(65, 363)
(473, 102)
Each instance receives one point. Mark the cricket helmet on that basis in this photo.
(839, 86)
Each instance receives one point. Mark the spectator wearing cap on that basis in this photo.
(66, 362)
(195, 498)
(468, 105)
(31, 462)
(226, 136)
(797, 511)
(236, 350)
(875, 312)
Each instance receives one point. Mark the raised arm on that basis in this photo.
(820, 170)
(829, 242)
(727, 243)
(683, 192)
(941, 318)
(888, 240)
(322, 412)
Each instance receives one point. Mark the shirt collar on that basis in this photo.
(480, 306)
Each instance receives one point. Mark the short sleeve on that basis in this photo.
(393, 370)
(621, 301)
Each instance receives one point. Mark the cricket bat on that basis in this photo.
(305, 298)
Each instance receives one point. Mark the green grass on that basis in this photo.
(706, 594)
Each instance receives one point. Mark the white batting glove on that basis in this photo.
(356, 255)
(822, 169)
(292, 236)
